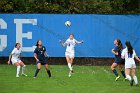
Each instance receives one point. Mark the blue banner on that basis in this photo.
(97, 31)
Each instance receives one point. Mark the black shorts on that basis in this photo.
(43, 62)
(120, 62)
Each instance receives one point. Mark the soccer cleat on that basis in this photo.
(24, 75)
(131, 82)
(125, 79)
(17, 75)
(117, 78)
(137, 85)
(70, 73)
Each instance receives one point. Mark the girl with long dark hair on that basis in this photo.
(118, 60)
(40, 56)
(129, 54)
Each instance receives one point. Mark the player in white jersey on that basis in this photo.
(70, 50)
(15, 59)
(129, 54)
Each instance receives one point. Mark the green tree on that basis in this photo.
(71, 6)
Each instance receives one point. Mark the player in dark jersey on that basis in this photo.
(119, 62)
(40, 56)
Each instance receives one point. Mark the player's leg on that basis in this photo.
(113, 66)
(69, 65)
(69, 62)
(134, 76)
(18, 68)
(47, 69)
(38, 69)
(23, 68)
(127, 73)
(120, 67)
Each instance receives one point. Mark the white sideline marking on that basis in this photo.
(106, 71)
(93, 72)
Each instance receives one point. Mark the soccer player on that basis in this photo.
(129, 54)
(119, 62)
(70, 51)
(15, 58)
(40, 56)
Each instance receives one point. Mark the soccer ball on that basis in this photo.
(68, 23)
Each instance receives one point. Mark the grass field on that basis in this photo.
(86, 79)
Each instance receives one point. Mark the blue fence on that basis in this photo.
(97, 31)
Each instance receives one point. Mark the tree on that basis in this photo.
(71, 6)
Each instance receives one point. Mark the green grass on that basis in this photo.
(86, 79)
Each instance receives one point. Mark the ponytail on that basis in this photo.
(129, 47)
(120, 46)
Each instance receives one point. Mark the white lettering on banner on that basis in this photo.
(3, 38)
(19, 35)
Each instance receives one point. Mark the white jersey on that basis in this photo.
(129, 59)
(70, 45)
(16, 53)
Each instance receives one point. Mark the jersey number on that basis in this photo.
(129, 55)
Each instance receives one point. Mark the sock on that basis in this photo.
(123, 74)
(49, 73)
(115, 72)
(37, 70)
(69, 65)
(135, 80)
(70, 74)
(128, 77)
(18, 70)
(23, 69)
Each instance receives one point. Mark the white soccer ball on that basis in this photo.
(68, 23)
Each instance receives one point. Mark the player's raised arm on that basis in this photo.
(63, 44)
(79, 42)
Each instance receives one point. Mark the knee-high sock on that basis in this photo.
(135, 79)
(49, 73)
(115, 72)
(18, 70)
(69, 65)
(23, 69)
(123, 74)
(37, 70)
(128, 77)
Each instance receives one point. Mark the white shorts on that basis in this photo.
(14, 60)
(70, 54)
(130, 66)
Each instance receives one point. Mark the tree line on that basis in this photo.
(71, 6)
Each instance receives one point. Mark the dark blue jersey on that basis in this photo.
(117, 57)
(40, 52)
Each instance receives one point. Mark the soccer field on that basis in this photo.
(86, 79)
